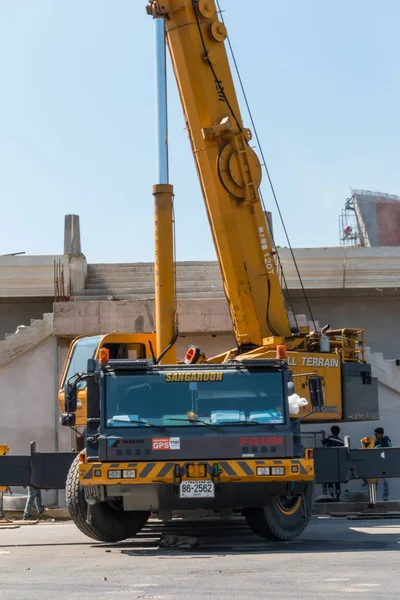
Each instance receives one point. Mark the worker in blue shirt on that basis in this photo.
(333, 441)
(383, 441)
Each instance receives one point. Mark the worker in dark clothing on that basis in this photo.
(333, 441)
(383, 441)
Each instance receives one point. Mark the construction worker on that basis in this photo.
(383, 441)
(34, 497)
(333, 441)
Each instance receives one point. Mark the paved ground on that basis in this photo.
(334, 558)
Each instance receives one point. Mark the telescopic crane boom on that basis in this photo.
(228, 169)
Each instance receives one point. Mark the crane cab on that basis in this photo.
(131, 346)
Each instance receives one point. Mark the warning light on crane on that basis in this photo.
(104, 356)
(192, 355)
(281, 353)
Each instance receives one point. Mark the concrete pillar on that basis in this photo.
(72, 235)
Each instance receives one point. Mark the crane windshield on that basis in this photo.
(84, 349)
(188, 398)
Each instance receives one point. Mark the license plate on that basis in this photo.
(197, 489)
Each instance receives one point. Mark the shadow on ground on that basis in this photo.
(235, 537)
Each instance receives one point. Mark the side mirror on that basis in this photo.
(68, 420)
(71, 396)
(316, 393)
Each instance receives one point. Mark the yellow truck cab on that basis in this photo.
(120, 346)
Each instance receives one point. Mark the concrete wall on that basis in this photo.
(24, 398)
(388, 223)
(379, 217)
(33, 276)
(378, 315)
(28, 402)
(342, 267)
(83, 318)
(17, 313)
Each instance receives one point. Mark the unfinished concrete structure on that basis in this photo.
(370, 219)
(346, 287)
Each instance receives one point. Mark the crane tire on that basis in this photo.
(107, 524)
(281, 519)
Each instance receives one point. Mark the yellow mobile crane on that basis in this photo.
(212, 434)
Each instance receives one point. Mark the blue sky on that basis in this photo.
(77, 131)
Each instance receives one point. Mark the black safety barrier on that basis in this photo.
(43, 470)
(344, 464)
(49, 470)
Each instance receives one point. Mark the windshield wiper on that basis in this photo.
(266, 425)
(139, 422)
(211, 425)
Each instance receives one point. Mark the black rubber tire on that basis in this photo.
(271, 523)
(107, 524)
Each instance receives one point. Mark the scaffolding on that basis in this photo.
(350, 232)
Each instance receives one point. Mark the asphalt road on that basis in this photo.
(335, 558)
